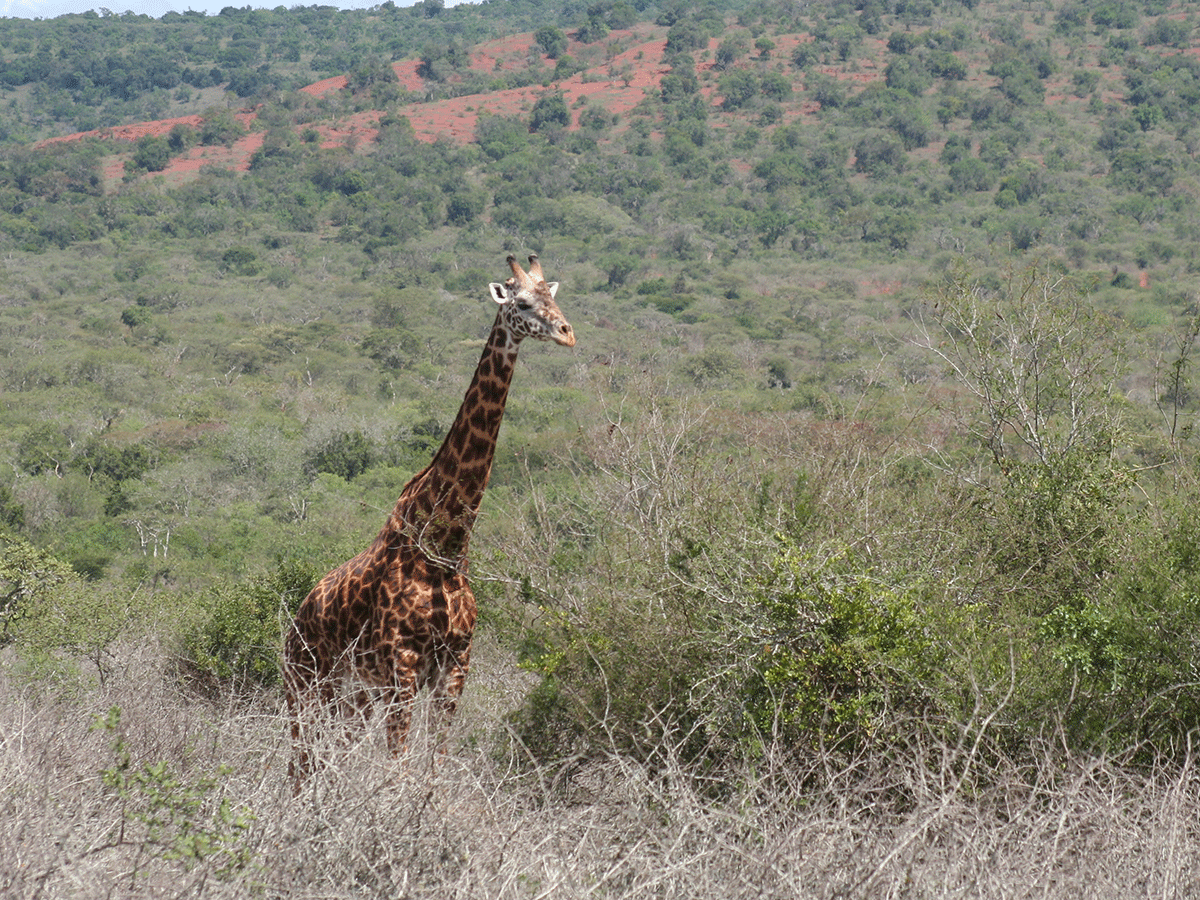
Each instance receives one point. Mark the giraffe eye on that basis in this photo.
(523, 305)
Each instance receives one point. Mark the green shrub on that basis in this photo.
(241, 261)
(614, 680)
(55, 617)
(239, 635)
(549, 111)
(843, 648)
(152, 154)
(346, 454)
(1056, 527)
(1126, 659)
(183, 816)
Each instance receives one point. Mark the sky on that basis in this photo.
(49, 9)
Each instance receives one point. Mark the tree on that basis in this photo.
(47, 608)
(971, 174)
(498, 136)
(346, 454)
(152, 154)
(738, 87)
(220, 127)
(772, 224)
(909, 74)
(1041, 363)
(775, 86)
(592, 30)
(730, 50)
(1039, 368)
(43, 448)
(550, 111)
(552, 41)
(878, 153)
(465, 206)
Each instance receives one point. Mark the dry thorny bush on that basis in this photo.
(178, 797)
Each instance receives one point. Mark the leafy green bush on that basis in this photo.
(613, 681)
(843, 648)
(552, 41)
(136, 316)
(181, 816)
(1127, 659)
(550, 111)
(152, 154)
(54, 617)
(241, 261)
(239, 634)
(346, 454)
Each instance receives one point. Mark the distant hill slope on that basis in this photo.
(618, 84)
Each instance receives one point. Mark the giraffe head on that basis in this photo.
(527, 305)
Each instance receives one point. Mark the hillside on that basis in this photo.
(640, 66)
(854, 541)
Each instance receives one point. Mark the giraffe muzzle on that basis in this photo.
(564, 335)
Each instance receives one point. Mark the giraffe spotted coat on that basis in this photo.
(399, 617)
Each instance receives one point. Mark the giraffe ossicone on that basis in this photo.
(399, 617)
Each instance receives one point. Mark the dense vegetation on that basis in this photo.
(877, 445)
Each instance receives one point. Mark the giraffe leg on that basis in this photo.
(399, 699)
(354, 708)
(451, 678)
(304, 693)
(304, 702)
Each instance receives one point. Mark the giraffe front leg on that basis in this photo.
(399, 701)
(306, 692)
(452, 678)
(305, 703)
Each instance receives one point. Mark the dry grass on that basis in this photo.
(932, 820)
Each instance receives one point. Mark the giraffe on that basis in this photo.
(399, 616)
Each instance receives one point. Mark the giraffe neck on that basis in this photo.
(437, 508)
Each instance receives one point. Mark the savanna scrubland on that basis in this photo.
(851, 552)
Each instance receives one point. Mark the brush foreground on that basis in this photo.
(181, 797)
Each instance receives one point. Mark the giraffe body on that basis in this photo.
(399, 617)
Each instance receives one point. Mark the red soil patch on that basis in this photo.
(406, 72)
(328, 85)
(130, 133)
(505, 54)
(134, 133)
(349, 131)
(639, 68)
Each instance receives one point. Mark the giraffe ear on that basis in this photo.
(498, 292)
(553, 287)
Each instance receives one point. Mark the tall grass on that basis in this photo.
(180, 796)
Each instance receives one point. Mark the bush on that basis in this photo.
(152, 154)
(239, 635)
(843, 649)
(552, 41)
(346, 454)
(55, 617)
(135, 316)
(879, 154)
(241, 261)
(1127, 656)
(550, 111)
(738, 88)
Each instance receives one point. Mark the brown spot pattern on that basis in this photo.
(399, 617)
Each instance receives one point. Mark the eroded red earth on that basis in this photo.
(617, 85)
